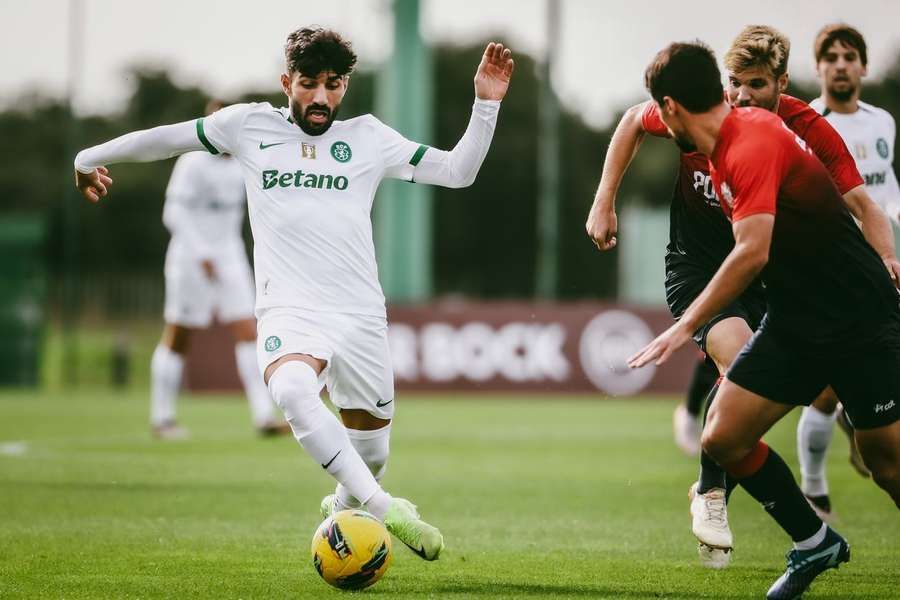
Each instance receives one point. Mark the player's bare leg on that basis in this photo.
(737, 421)
(709, 495)
(166, 369)
(293, 382)
(261, 406)
(880, 449)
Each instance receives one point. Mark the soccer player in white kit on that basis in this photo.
(868, 131)
(310, 183)
(207, 275)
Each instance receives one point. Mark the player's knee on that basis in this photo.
(294, 387)
(887, 475)
(721, 446)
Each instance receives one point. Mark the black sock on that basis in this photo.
(730, 484)
(711, 474)
(774, 486)
(704, 377)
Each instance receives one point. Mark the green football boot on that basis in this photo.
(403, 521)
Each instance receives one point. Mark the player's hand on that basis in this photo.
(662, 347)
(209, 269)
(602, 226)
(494, 72)
(893, 267)
(95, 185)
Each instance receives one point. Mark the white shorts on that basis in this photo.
(359, 374)
(192, 300)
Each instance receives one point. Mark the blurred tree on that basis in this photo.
(485, 236)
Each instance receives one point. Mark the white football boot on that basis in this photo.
(710, 527)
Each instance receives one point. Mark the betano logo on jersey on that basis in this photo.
(302, 179)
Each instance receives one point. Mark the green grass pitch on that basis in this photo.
(538, 497)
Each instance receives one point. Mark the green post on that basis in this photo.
(548, 166)
(404, 100)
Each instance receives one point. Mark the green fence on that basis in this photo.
(22, 299)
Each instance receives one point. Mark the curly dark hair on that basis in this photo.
(312, 50)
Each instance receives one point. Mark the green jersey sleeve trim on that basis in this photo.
(417, 156)
(202, 135)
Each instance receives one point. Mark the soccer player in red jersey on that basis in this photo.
(701, 237)
(832, 309)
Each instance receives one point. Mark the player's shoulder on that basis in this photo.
(746, 132)
(237, 113)
(818, 105)
(367, 127)
(789, 106)
(876, 113)
(752, 122)
(366, 122)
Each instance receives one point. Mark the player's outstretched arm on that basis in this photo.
(459, 167)
(875, 227)
(602, 223)
(91, 176)
(752, 240)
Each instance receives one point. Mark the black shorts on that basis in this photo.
(685, 281)
(867, 380)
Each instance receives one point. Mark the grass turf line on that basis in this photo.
(545, 497)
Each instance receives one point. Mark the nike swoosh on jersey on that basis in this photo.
(264, 146)
(380, 403)
(328, 464)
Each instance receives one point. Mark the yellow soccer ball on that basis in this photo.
(351, 550)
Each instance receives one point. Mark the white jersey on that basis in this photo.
(869, 134)
(310, 199)
(204, 210)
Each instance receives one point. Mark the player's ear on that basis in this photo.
(286, 84)
(667, 106)
(783, 80)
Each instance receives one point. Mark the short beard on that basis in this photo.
(842, 95)
(313, 128)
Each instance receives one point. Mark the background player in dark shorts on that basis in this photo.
(832, 307)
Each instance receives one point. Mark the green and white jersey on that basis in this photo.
(310, 200)
(310, 197)
(869, 134)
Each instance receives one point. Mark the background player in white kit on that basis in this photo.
(207, 275)
(868, 131)
(310, 184)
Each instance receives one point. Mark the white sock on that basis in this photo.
(813, 438)
(261, 407)
(295, 389)
(812, 542)
(373, 447)
(166, 367)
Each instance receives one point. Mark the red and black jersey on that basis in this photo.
(698, 231)
(823, 280)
